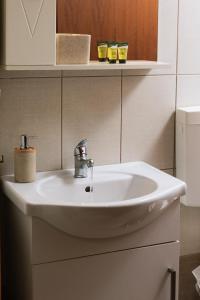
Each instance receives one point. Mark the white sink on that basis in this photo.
(126, 197)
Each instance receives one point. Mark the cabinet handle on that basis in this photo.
(173, 283)
(1, 159)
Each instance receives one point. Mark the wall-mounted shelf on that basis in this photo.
(94, 65)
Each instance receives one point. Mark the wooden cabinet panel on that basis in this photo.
(134, 21)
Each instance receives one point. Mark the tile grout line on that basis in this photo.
(28, 77)
(177, 43)
(176, 92)
(121, 117)
(56, 77)
(61, 104)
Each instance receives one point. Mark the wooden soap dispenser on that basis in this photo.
(25, 162)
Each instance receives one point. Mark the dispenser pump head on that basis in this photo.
(24, 142)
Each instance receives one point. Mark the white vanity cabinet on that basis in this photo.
(136, 274)
(47, 264)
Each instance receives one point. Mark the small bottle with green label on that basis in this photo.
(122, 52)
(102, 47)
(112, 52)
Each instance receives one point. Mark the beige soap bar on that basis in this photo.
(25, 165)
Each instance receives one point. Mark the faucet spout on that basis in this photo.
(90, 163)
(82, 163)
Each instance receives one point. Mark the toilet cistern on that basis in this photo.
(81, 160)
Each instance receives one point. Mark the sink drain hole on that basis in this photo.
(88, 189)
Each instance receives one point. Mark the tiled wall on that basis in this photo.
(116, 113)
(125, 115)
(32, 106)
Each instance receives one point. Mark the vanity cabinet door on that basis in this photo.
(139, 274)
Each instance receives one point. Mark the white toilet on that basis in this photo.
(188, 152)
(188, 160)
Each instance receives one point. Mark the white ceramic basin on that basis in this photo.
(126, 197)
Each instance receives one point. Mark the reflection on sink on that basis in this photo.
(126, 198)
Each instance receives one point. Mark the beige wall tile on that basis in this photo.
(148, 120)
(92, 73)
(189, 37)
(188, 90)
(31, 106)
(169, 171)
(29, 74)
(190, 230)
(92, 110)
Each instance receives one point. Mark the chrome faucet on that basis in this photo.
(82, 163)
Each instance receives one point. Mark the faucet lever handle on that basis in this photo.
(81, 148)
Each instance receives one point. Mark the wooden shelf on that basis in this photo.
(94, 65)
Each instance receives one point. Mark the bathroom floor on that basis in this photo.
(187, 283)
